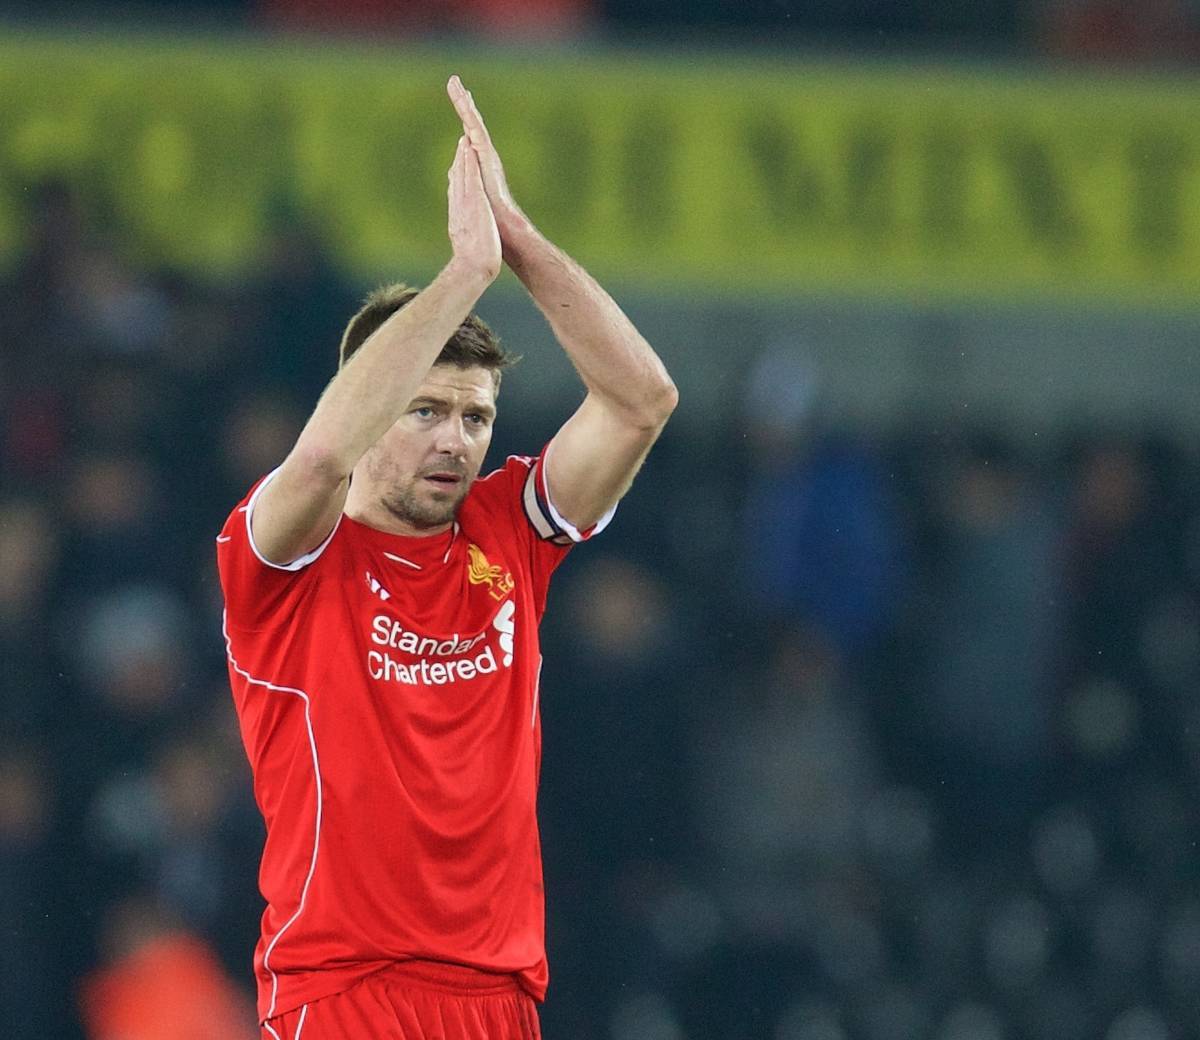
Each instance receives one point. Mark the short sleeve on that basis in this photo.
(518, 492)
(256, 589)
(542, 514)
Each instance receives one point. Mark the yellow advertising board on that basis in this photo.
(709, 174)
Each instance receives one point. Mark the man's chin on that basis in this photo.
(432, 510)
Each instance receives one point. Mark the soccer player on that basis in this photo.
(381, 612)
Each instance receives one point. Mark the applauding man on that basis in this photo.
(381, 624)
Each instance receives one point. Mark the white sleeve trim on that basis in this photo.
(557, 522)
(300, 562)
(570, 528)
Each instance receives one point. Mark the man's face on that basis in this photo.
(422, 468)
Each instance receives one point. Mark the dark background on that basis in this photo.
(874, 716)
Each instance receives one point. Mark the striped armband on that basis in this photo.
(549, 523)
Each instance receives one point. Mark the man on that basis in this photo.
(381, 624)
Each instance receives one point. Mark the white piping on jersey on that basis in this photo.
(299, 1025)
(537, 689)
(312, 869)
(563, 524)
(417, 566)
(299, 562)
(224, 538)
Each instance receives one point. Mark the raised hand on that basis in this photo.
(509, 217)
(474, 236)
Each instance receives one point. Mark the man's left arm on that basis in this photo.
(594, 457)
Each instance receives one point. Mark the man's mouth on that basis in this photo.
(444, 479)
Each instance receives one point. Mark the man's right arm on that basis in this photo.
(299, 507)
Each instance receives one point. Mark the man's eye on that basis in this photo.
(476, 418)
(423, 412)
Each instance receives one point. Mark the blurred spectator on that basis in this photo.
(1122, 555)
(615, 711)
(115, 508)
(1124, 572)
(300, 309)
(33, 430)
(36, 328)
(785, 771)
(987, 24)
(521, 19)
(1119, 30)
(29, 576)
(257, 435)
(125, 314)
(31, 976)
(38, 311)
(133, 650)
(169, 826)
(612, 751)
(782, 778)
(821, 535)
(131, 667)
(987, 695)
(159, 982)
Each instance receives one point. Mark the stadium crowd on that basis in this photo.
(1120, 32)
(848, 737)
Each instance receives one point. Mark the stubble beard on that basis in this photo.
(409, 499)
(406, 505)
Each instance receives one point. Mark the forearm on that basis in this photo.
(375, 386)
(612, 358)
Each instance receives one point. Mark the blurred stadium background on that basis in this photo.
(875, 715)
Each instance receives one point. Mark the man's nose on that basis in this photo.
(451, 436)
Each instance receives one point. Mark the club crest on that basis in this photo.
(479, 572)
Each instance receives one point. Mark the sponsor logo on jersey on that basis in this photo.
(479, 572)
(461, 657)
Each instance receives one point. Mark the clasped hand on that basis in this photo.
(483, 217)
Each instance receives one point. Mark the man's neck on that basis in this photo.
(367, 507)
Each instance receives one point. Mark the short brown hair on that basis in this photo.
(473, 343)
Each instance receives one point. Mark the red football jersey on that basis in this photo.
(387, 692)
